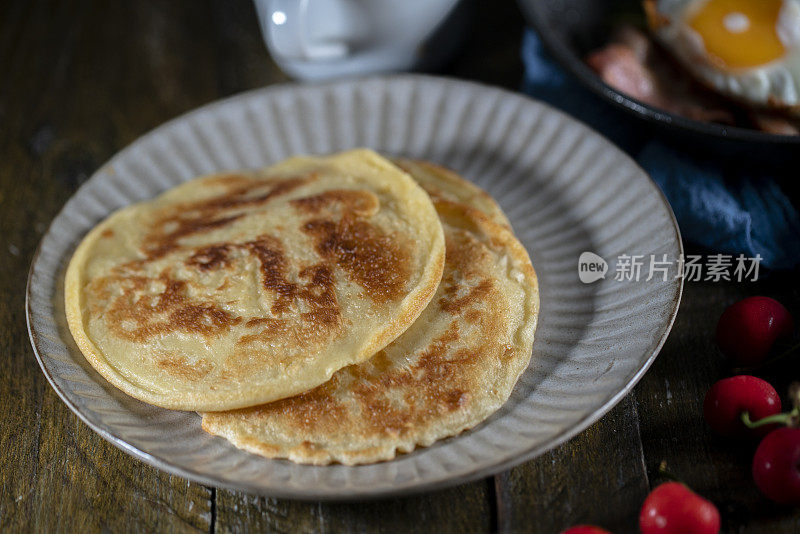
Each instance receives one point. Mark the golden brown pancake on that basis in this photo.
(454, 367)
(443, 184)
(243, 288)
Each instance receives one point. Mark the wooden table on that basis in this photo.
(81, 79)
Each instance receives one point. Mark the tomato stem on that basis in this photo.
(788, 348)
(667, 474)
(786, 419)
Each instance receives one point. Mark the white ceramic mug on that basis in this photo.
(319, 39)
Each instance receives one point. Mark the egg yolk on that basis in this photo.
(739, 33)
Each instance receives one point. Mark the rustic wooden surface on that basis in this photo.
(81, 79)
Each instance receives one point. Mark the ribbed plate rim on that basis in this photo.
(447, 480)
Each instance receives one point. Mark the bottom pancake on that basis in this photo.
(454, 367)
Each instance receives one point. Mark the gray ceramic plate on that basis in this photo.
(565, 189)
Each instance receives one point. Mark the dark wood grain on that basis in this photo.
(460, 510)
(598, 478)
(80, 79)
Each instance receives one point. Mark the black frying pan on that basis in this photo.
(571, 28)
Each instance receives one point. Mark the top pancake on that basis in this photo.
(243, 288)
(449, 371)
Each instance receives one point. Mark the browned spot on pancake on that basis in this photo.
(136, 316)
(456, 399)
(508, 352)
(208, 214)
(387, 417)
(463, 260)
(272, 328)
(243, 362)
(463, 256)
(308, 409)
(273, 266)
(158, 245)
(359, 203)
(107, 233)
(230, 181)
(371, 257)
(434, 384)
(462, 355)
(465, 220)
(472, 316)
(308, 449)
(181, 367)
(211, 257)
(315, 325)
(206, 319)
(252, 194)
(316, 289)
(380, 362)
(452, 304)
(320, 294)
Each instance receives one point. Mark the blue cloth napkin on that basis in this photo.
(724, 210)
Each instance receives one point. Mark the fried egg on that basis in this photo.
(748, 50)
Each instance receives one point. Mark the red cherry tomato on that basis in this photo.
(672, 508)
(776, 466)
(730, 397)
(586, 529)
(748, 329)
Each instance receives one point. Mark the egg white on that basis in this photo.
(773, 85)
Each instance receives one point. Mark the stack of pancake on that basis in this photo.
(325, 309)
